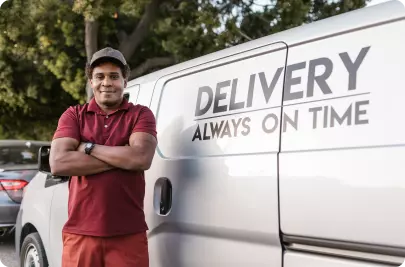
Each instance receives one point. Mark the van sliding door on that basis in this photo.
(212, 191)
(342, 185)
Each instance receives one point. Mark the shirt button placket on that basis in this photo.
(105, 121)
(106, 130)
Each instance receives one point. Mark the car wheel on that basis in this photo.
(33, 252)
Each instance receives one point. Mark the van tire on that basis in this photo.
(33, 248)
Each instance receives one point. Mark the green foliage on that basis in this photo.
(43, 55)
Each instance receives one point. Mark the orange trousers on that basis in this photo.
(90, 251)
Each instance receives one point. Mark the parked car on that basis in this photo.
(286, 151)
(18, 165)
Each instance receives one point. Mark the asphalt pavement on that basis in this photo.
(7, 253)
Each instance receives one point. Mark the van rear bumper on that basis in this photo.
(17, 234)
(8, 213)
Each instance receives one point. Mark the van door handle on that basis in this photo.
(163, 196)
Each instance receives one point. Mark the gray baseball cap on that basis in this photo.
(108, 52)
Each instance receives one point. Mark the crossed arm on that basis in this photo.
(67, 156)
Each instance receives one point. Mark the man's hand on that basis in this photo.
(81, 147)
(136, 156)
(67, 158)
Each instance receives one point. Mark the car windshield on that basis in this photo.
(18, 155)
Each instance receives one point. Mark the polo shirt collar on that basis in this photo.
(93, 106)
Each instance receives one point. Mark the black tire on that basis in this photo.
(32, 247)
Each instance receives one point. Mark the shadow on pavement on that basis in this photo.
(7, 252)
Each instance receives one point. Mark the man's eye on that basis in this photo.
(115, 77)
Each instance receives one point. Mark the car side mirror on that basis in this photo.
(43, 159)
(45, 167)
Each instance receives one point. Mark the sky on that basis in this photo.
(260, 3)
(372, 2)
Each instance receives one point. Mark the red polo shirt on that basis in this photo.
(108, 203)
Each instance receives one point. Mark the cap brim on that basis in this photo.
(113, 59)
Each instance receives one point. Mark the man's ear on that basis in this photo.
(125, 83)
(91, 85)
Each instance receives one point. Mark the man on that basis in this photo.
(105, 145)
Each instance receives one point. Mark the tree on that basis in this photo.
(45, 44)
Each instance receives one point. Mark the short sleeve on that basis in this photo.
(68, 125)
(146, 122)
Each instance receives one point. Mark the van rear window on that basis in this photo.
(18, 155)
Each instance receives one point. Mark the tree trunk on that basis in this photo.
(150, 64)
(91, 36)
(138, 35)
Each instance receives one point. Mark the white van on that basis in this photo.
(284, 151)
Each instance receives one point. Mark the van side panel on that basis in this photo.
(294, 259)
(342, 170)
(221, 164)
(145, 94)
(131, 93)
(37, 213)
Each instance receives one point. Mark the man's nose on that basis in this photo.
(107, 81)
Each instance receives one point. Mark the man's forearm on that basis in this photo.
(123, 157)
(75, 163)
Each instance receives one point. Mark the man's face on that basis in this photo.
(108, 84)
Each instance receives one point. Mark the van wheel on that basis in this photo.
(33, 252)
